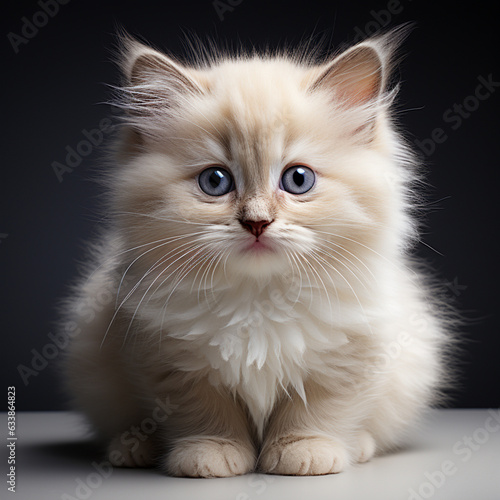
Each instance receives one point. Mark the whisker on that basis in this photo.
(431, 248)
(318, 249)
(115, 255)
(170, 240)
(355, 295)
(325, 245)
(216, 253)
(411, 271)
(213, 274)
(225, 261)
(322, 282)
(299, 269)
(199, 257)
(134, 288)
(159, 286)
(203, 258)
(166, 219)
(287, 253)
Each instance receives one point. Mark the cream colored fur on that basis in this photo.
(302, 359)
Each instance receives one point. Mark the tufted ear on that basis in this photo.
(356, 76)
(153, 82)
(356, 82)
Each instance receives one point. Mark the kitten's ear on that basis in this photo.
(153, 82)
(359, 76)
(356, 76)
(356, 81)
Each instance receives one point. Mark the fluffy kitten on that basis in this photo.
(254, 276)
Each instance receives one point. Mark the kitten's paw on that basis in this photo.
(365, 448)
(139, 454)
(304, 456)
(209, 457)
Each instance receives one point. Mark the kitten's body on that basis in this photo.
(310, 348)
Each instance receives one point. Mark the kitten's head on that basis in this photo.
(258, 164)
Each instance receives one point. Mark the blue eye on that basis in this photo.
(298, 179)
(216, 181)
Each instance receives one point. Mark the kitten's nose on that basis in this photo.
(256, 227)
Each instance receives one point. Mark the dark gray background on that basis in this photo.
(53, 87)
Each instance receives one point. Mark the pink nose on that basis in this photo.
(256, 227)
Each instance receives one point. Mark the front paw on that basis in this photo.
(209, 457)
(303, 456)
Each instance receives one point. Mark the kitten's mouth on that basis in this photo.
(258, 246)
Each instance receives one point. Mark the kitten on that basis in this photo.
(255, 305)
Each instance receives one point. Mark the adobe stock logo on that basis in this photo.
(85, 147)
(31, 27)
(221, 7)
(380, 19)
(465, 448)
(456, 114)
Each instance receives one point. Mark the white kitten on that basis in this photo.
(257, 256)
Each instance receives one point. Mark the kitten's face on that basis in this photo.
(256, 166)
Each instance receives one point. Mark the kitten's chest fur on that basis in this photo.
(257, 339)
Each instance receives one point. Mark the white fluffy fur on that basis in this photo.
(299, 360)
